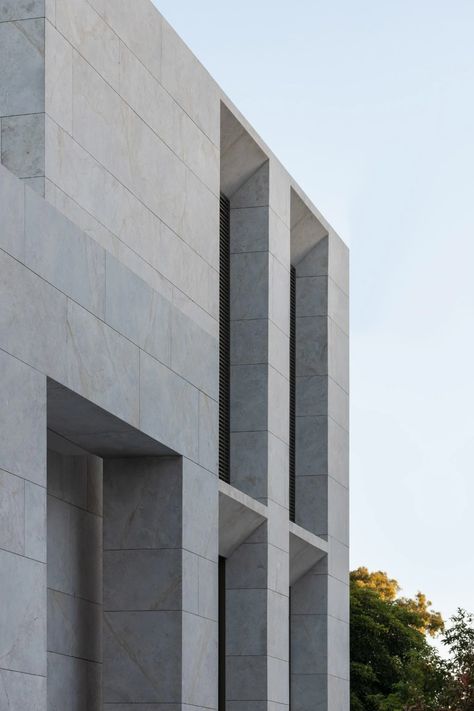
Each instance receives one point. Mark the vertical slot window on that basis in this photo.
(221, 633)
(292, 433)
(224, 339)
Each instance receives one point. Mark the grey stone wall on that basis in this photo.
(74, 578)
(320, 600)
(160, 583)
(22, 90)
(120, 142)
(23, 536)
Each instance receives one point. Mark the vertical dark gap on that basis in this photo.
(224, 339)
(289, 646)
(292, 449)
(221, 661)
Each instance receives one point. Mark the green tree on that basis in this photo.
(431, 622)
(393, 667)
(387, 588)
(428, 621)
(458, 692)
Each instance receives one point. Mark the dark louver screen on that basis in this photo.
(224, 341)
(292, 389)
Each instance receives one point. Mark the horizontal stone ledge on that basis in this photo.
(239, 516)
(306, 550)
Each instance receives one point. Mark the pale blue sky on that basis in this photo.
(370, 106)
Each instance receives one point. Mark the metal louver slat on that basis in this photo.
(224, 339)
(292, 448)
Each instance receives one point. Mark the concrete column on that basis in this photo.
(160, 583)
(257, 625)
(320, 609)
(22, 536)
(247, 624)
(257, 573)
(259, 244)
(278, 438)
(249, 312)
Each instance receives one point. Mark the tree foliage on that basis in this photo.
(391, 660)
(393, 666)
(458, 693)
(378, 581)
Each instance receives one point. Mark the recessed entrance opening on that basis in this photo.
(108, 577)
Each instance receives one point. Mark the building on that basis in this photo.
(174, 380)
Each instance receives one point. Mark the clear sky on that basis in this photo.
(370, 105)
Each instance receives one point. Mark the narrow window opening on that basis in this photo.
(224, 339)
(289, 648)
(292, 448)
(222, 655)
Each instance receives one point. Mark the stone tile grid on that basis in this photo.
(322, 296)
(166, 118)
(257, 643)
(142, 30)
(261, 426)
(23, 426)
(254, 340)
(22, 144)
(263, 241)
(180, 630)
(58, 76)
(186, 79)
(273, 576)
(114, 246)
(74, 641)
(280, 240)
(324, 360)
(205, 454)
(322, 396)
(20, 691)
(50, 10)
(336, 563)
(36, 184)
(23, 620)
(319, 645)
(321, 593)
(120, 23)
(329, 257)
(179, 151)
(52, 244)
(279, 291)
(21, 10)
(73, 623)
(22, 42)
(143, 543)
(322, 616)
(76, 480)
(73, 683)
(79, 507)
(181, 226)
(322, 448)
(74, 551)
(22, 517)
(199, 272)
(83, 27)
